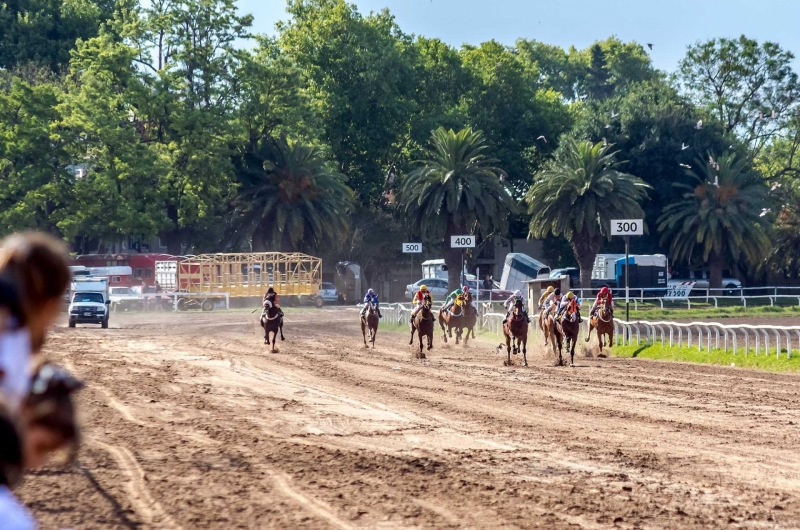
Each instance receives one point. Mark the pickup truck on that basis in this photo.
(124, 299)
(732, 286)
(89, 303)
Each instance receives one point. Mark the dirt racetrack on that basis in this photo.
(190, 423)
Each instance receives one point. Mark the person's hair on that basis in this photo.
(11, 462)
(49, 404)
(38, 264)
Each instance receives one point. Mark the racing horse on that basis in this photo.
(569, 327)
(272, 322)
(552, 333)
(454, 318)
(470, 317)
(516, 331)
(369, 322)
(422, 323)
(603, 322)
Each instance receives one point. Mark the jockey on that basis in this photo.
(451, 298)
(369, 298)
(550, 290)
(604, 293)
(565, 304)
(272, 297)
(511, 302)
(553, 299)
(418, 298)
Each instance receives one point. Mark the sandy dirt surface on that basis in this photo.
(190, 423)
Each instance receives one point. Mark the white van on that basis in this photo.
(89, 301)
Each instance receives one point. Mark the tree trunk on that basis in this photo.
(452, 256)
(715, 264)
(259, 239)
(586, 248)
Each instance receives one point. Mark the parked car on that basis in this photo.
(124, 299)
(732, 286)
(573, 273)
(436, 286)
(329, 293)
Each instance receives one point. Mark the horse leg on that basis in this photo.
(274, 339)
(525, 349)
(280, 327)
(373, 334)
(591, 327)
(572, 352)
(430, 341)
(364, 333)
(413, 328)
(444, 331)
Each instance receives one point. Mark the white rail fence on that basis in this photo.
(771, 295)
(705, 335)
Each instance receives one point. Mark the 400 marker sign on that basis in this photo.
(462, 241)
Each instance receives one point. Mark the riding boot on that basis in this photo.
(580, 318)
(528, 318)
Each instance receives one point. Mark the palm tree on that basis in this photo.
(290, 197)
(576, 195)
(718, 219)
(456, 191)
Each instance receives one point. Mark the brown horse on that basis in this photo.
(552, 332)
(369, 322)
(454, 318)
(603, 322)
(272, 322)
(422, 323)
(516, 330)
(569, 327)
(470, 317)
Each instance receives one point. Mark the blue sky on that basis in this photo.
(670, 25)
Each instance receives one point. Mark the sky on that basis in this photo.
(671, 25)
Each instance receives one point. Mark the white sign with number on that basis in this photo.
(679, 290)
(412, 248)
(627, 227)
(462, 241)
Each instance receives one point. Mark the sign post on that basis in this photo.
(627, 228)
(462, 242)
(412, 248)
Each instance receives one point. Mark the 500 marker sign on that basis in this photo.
(412, 248)
(462, 241)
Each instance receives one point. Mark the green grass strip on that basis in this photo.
(770, 363)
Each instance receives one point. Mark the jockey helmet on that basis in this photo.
(517, 293)
(570, 295)
(466, 288)
(370, 291)
(550, 289)
(557, 292)
(271, 290)
(459, 291)
(423, 287)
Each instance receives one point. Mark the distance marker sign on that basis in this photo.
(412, 248)
(627, 227)
(462, 241)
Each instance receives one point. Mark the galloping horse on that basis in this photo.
(370, 322)
(552, 332)
(603, 322)
(470, 317)
(453, 318)
(516, 331)
(569, 327)
(272, 322)
(422, 323)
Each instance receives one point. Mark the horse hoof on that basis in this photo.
(572, 365)
(507, 363)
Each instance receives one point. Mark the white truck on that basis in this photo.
(89, 301)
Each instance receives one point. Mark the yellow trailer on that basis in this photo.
(295, 276)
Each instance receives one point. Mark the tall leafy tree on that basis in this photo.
(45, 31)
(576, 195)
(457, 190)
(290, 198)
(748, 87)
(718, 218)
(359, 75)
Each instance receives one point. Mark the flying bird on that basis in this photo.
(775, 186)
(687, 166)
(614, 114)
(699, 125)
(607, 126)
(650, 45)
(542, 138)
(684, 147)
(765, 211)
